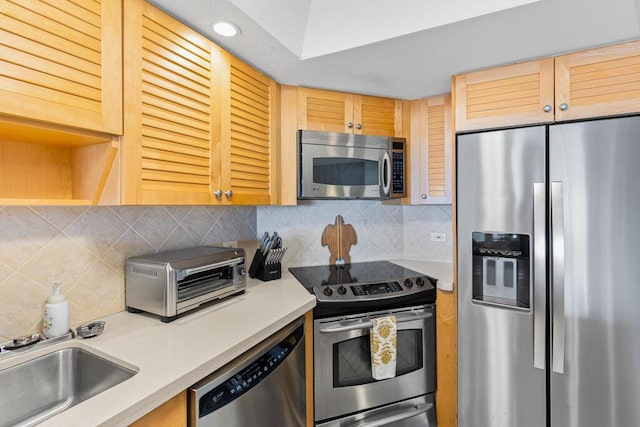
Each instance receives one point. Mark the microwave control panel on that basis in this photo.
(398, 185)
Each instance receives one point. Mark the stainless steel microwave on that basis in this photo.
(334, 165)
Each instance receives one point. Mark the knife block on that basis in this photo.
(262, 271)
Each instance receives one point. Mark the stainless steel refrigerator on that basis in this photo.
(548, 259)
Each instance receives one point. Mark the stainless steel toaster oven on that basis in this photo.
(171, 283)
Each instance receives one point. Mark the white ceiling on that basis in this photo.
(405, 48)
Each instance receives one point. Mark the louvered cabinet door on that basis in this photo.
(376, 116)
(61, 62)
(505, 96)
(244, 142)
(168, 110)
(249, 114)
(598, 82)
(430, 150)
(325, 110)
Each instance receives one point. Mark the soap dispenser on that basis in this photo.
(56, 313)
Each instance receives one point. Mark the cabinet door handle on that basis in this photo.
(358, 126)
(350, 125)
(218, 193)
(228, 193)
(547, 108)
(564, 106)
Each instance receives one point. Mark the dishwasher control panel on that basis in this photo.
(250, 376)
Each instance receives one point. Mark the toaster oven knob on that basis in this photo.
(420, 281)
(242, 271)
(342, 290)
(408, 283)
(327, 291)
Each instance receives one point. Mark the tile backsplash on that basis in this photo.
(383, 231)
(86, 247)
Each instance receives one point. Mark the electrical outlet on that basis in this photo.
(438, 237)
(230, 244)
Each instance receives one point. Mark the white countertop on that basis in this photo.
(170, 357)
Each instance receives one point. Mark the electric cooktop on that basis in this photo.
(365, 284)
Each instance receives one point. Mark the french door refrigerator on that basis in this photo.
(548, 244)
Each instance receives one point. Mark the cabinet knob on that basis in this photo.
(350, 125)
(228, 193)
(423, 196)
(547, 108)
(358, 126)
(564, 106)
(218, 193)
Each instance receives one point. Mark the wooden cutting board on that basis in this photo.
(339, 237)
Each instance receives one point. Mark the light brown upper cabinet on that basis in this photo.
(197, 120)
(60, 101)
(598, 82)
(591, 83)
(344, 112)
(505, 96)
(61, 63)
(430, 151)
(246, 145)
(169, 113)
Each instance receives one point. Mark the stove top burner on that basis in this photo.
(365, 285)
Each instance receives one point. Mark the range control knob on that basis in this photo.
(327, 291)
(342, 290)
(408, 283)
(420, 281)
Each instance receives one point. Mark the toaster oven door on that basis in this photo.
(198, 285)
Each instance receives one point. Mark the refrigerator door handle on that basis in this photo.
(557, 277)
(539, 275)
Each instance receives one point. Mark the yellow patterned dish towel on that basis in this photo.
(383, 347)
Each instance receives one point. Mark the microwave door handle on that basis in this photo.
(399, 416)
(367, 323)
(386, 174)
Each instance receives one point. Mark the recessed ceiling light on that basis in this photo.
(226, 29)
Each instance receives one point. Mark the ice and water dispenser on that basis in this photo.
(501, 267)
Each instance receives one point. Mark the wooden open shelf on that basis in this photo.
(44, 165)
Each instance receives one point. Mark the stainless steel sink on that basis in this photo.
(45, 386)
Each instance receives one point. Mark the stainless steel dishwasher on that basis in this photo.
(263, 387)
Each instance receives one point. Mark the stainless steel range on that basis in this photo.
(349, 296)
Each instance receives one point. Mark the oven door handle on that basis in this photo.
(367, 324)
(417, 410)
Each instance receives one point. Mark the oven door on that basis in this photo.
(331, 171)
(342, 362)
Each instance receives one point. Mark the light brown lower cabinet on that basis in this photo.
(446, 359)
(172, 413)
